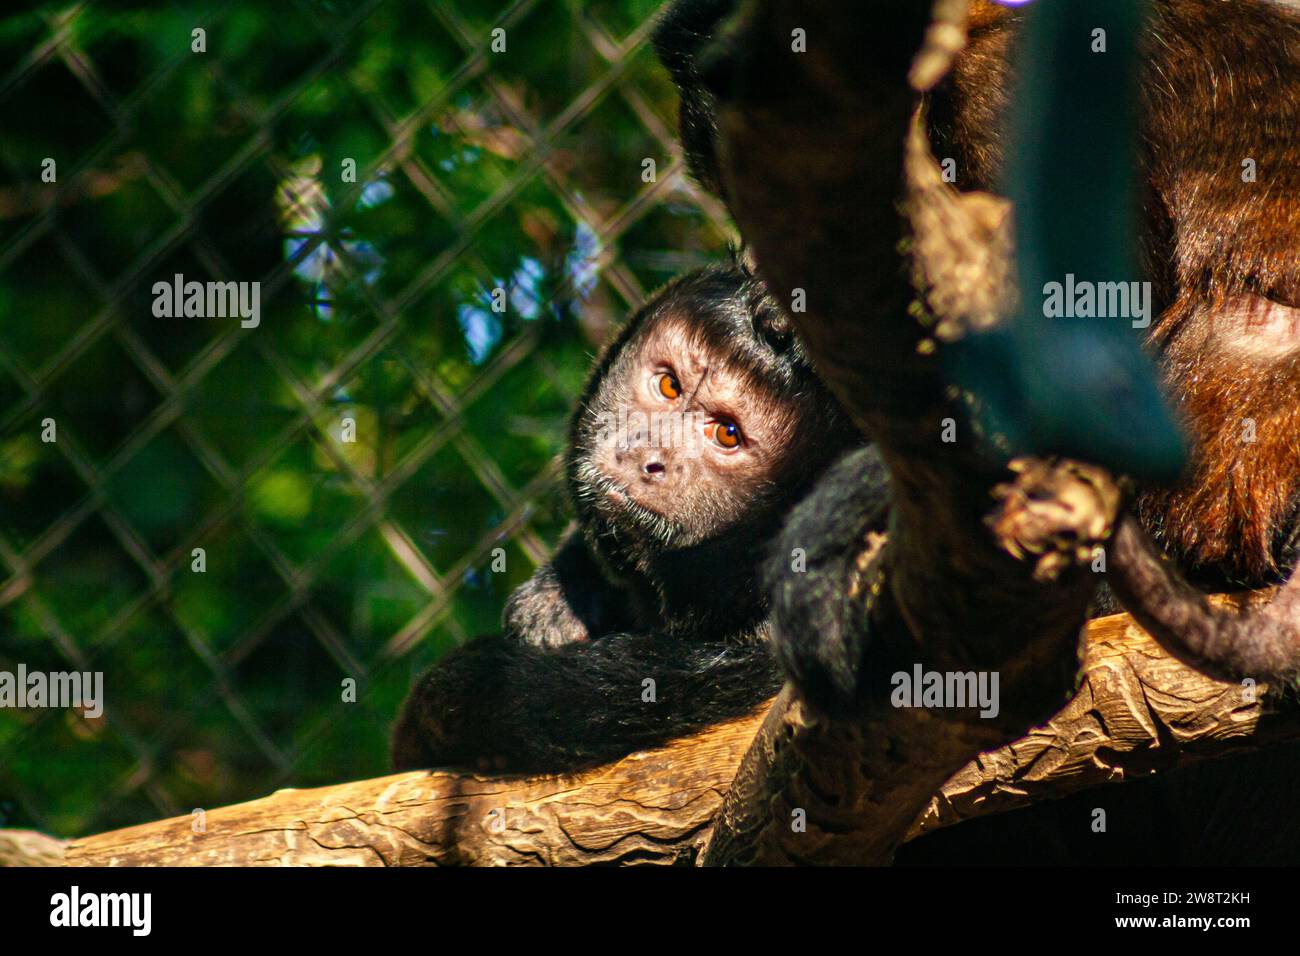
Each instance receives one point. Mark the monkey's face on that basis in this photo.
(680, 442)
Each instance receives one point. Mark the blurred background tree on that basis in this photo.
(522, 170)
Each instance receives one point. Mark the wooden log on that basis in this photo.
(29, 848)
(1138, 712)
(650, 807)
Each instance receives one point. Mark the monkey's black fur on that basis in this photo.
(502, 703)
(681, 33)
(619, 604)
(814, 625)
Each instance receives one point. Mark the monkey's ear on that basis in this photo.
(772, 325)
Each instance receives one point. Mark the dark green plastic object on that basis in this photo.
(1074, 386)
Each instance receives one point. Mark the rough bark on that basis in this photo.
(648, 807)
(1138, 712)
(29, 848)
(828, 179)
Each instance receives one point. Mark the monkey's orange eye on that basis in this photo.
(668, 385)
(727, 434)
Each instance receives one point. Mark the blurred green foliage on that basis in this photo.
(326, 559)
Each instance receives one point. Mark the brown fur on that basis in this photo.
(1229, 240)
(1233, 510)
(1222, 85)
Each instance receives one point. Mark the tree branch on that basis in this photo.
(648, 807)
(1138, 712)
(834, 133)
(29, 848)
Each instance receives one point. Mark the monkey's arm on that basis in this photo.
(502, 704)
(814, 633)
(568, 600)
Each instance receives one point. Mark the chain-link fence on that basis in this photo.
(445, 206)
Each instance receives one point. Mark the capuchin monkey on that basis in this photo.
(625, 598)
(701, 426)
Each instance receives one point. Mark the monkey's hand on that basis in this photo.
(817, 632)
(537, 612)
(568, 601)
